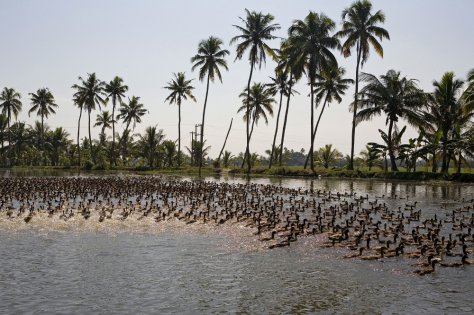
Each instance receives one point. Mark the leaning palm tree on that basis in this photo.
(209, 58)
(257, 29)
(90, 93)
(132, 112)
(180, 89)
(10, 105)
(361, 30)
(42, 102)
(115, 90)
(105, 121)
(311, 43)
(329, 87)
(396, 97)
(259, 101)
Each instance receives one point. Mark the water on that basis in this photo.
(188, 269)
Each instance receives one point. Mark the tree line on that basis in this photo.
(443, 116)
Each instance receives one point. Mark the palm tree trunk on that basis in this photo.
(113, 132)
(312, 127)
(351, 162)
(78, 131)
(250, 136)
(202, 125)
(42, 139)
(444, 168)
(90, 137)
(247, 149)
(276, 130)
(225, 141)
(316, 128)
(390, 148)
(284, 121)
(434, 167)
(179, 135)
(459, 163)
(9, 142)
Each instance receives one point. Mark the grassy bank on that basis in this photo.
(286, 171)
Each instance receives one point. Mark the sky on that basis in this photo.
(49, 43)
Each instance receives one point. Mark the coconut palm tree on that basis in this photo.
(105, 121)
(149, 144)
(330, 86)
(180, 89)
(169, 148)
(132, 112)
(447, 111)
(115, 90)
(42, 102)
(59, 141)
(279, 85)
(326, 155)
(209, 58)
(396, 97)
(10, 104)
(260, 103)
(257, 29)
(3, 134)
(310, 41)
(90, 93)
(361, 29)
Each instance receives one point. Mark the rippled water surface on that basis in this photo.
(183, 269)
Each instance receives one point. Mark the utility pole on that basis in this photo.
(192, 146)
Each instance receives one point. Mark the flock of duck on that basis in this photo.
(369, 229)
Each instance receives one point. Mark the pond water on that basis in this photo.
(191, 269)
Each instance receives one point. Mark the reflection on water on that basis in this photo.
(194, 269)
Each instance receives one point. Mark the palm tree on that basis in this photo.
(311, 43)
(3, 132)
(43, 103)
(59, 140)
(132, 112)
(329, 87)
(90, 94)
(149, 143)
(11, 106)
(393, 141)
(260, 102)
(104, 120)
(209, 58)
(169, 148)
(257, 29)
(226, 158)
(447, 111)
(78, 102)
(279, 85)
(361, 30)
(180, 89)
(115, 90)
(396, 97)
(326, 155)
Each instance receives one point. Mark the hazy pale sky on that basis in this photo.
(50, 43)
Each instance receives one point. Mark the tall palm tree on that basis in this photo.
(105, 121)
(3, 133)
(285, 66)
(115, 90)
(132, 112)
(90, 93)
(361, 29)
(311, 43)
(180, 89)
(78, 102)
(396, 97)
(279, 85)
(10, 105)
(259, 101)
(257, 29)
(447, 111)
(43, 103)
(209, 58)
(330, 86)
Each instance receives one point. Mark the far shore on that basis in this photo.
(285, 171)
